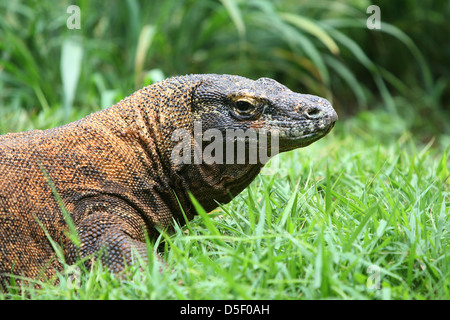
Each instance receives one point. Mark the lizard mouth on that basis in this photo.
(290, 137)
(292, 141)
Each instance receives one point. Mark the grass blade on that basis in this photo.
(71, 56)
(361, 225)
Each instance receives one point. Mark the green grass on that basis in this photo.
(370, 201)
(335, 216)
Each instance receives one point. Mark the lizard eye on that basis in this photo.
(246, 109)
(244, 106)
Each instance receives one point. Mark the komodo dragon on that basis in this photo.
(115, 173)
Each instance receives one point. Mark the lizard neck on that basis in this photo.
(149, 129)
(211, 184)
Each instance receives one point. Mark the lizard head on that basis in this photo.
(197, 116)
(225, 102)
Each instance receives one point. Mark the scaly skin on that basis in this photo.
(115, 173)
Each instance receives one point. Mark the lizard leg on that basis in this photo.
(112, 238)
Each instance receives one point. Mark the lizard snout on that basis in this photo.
(320, 109)
(314, 113)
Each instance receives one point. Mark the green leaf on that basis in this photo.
(207, 220)
(361, 225)
(313, 28)
(71, 56)
(442, 169)
(236, 16)
(288, 208)
(144, 43)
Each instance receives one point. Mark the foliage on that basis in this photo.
(368, 198)
(320, 47)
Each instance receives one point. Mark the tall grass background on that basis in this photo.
(373, 193)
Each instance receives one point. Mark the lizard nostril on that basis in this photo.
(313, 112)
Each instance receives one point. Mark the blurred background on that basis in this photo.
(398, 74)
